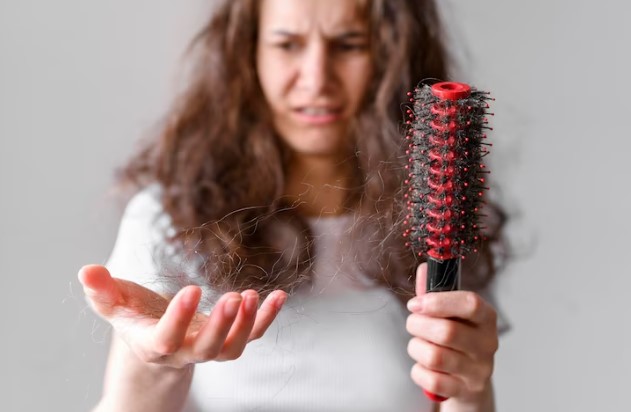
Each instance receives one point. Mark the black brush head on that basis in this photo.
(447, 126)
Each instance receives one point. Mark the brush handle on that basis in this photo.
(442, 276)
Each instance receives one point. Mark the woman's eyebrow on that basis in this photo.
(352, 34)
(345, 35)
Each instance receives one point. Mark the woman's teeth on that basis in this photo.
(317, 111)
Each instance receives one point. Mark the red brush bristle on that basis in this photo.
(445, 189)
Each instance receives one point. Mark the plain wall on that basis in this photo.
(81, 81)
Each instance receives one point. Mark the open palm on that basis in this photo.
(171, 331)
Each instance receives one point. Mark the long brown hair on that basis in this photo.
(221, 167)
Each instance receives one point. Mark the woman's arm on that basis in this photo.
(134, 385)
(483, 402)
(158, 340)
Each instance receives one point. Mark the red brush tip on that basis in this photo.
(451, 90)
(433, 397)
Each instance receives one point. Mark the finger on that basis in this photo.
(439, 358)
(474, 376)
(242, 327)
(171, 329)
(212, 335)
(421, 279)
(448, 333)
(437, 383)
(100, 288)
(267, 313)
(468, 306)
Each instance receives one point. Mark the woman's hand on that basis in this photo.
(454, 342)
(173, 333)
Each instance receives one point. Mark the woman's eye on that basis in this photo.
(287, 46)
(350, 47)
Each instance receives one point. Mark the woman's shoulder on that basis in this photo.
(145, 203)
(142, 229)
(145, 214)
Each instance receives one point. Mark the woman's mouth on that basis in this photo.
(318, 115)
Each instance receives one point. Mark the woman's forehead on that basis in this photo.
(302, 16)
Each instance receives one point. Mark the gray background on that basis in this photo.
(81, 81)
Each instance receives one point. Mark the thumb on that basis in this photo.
(421, 279)
(100, 287)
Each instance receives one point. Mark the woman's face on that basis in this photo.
(314, 65)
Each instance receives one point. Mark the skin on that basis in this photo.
(310, 54)
(157, 340)
(171, 332)
(314, 54)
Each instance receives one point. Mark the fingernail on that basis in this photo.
(415, 305)
(89, 291)
(189, 299)
(231, 307)
(280, 301)
(251, 302)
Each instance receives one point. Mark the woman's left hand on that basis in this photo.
(454, 341)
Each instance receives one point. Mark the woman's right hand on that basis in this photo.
(173, 333)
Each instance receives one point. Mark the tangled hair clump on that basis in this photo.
(222, 168)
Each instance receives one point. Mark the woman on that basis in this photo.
(277, 172)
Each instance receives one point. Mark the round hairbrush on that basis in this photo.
(446, 132)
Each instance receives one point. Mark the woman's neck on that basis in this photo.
(319, 185)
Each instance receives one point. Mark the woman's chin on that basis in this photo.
(319, 142)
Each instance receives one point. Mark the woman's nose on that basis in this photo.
(315, 73)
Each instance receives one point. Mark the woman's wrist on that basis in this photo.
(477, 402)
(168, 371)
(134, 384)
(168, 388)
